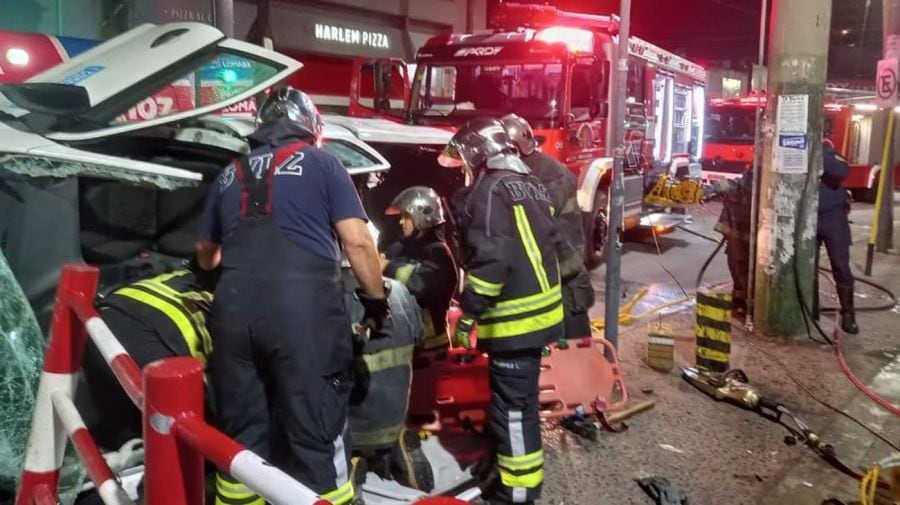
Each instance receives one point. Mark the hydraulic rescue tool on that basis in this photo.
(733, 387)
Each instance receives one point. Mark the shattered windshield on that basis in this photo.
(471, 90)
(21, 357)
(731, 125)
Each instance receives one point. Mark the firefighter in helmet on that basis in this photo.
(511, 291)
(275, 222)
(421, 259)
(578, 293)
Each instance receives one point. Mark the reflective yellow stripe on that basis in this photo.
(388, 358)
(172, 312)
(527, 325)
(341, 495)
(529, 480)
(230, 492)
(521, 462)
(531, 247)
(157, 284)
(483, 287)
(435, 341)
(404, 272)
(377, 437)
(524, 304)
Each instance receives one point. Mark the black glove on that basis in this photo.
(206, 279)
(377, 316)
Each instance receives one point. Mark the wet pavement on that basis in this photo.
(715, 452)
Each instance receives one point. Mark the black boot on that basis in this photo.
(409, 465)
(848, 314)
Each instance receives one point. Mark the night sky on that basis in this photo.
(725, 32)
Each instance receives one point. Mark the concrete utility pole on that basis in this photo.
(617, 193)
(791, 163)
(891, 31)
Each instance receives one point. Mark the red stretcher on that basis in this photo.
(451, 390)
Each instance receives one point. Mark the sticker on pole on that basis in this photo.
(792, 128)
(886, 83)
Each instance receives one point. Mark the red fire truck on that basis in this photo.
(854, 130)
(554, 69)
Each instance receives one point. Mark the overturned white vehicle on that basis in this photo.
(106, 159)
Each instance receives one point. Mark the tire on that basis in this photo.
(596, 227)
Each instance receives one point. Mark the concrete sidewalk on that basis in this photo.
(720, 454)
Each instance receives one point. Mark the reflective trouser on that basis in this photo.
(515, 424)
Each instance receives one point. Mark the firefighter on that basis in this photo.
(274, 223)
(155, 318)
(734, 224)
(577, 291)
(512, 291)
(834, 230)
(421, 259)
(379, 401)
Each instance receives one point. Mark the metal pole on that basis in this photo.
(885, 212)
(757, 152)
(617, 193)
(224, 16)
(173, 389)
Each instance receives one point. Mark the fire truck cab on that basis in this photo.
(855, 130)
(555, 69)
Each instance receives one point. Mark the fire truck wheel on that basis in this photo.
(595, 238)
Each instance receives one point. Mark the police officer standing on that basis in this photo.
(421, 259)
(578, 293)
(512, 292)
(273, 223)
(834, 231)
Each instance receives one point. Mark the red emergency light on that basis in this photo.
(514, 15)
(577, 40)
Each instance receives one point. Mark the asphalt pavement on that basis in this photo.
(716, 453)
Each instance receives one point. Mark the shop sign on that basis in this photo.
(352, 36)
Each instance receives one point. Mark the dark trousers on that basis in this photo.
(578, 298)
(834, 231)
(515, 424)
(272, 395)
(738, 254)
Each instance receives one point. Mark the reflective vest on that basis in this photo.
(512, 283)
(174, 305)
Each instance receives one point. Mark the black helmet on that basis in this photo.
(293, 105)
(520, 133)
(422, 204)
(482, 142)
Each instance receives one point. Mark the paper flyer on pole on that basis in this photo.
(791, 149)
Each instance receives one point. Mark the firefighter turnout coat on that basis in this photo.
(512, 284)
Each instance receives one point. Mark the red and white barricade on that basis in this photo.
(168, 392)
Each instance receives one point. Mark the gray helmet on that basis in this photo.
(295, 106)
(482, 143)
(422, 203)
(520, 133)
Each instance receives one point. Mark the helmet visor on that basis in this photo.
(450, 157)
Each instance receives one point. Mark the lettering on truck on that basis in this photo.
(479, 51)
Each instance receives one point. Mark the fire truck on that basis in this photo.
(853, 128)
(554, 68)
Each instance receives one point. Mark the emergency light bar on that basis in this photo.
(514, 15)
(577, 40)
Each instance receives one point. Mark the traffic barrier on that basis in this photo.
(713, 331)
(168, 392)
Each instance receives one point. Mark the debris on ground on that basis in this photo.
(662, 491)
